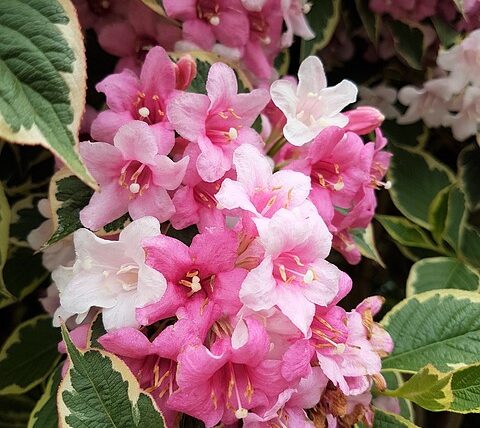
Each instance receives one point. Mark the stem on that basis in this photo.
(276, 147)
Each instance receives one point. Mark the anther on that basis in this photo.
(214, 20)
(144, 112)
(134, 187)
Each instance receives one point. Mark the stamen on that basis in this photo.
(309, 276)
(312, 95)
(134, 187)
(283, 272)
(267, 40)
(214, 20)
(339, 185)
(306, 8)
(144, 112)
(241, 413)
(232, 112)
(232, 134)
(300, 114)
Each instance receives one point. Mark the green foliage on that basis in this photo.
(408, 43)
(323, 19)
(365, 242)
(42, 91)
(390, 420)
(417, 178)
(371, 21)
(29, 355)
(15, 411)
(441, 273)
(44, 413)
(447, 35)
(437, 327)
(469, 173)
(100, 390)
(4, 233)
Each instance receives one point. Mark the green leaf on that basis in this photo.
(405, 232)
(15, 411)
(371, 21)
(4, 233)
(448, 36)
(282, 62)
(394, 380)
(454, 219)
(470, 244)
(469, 173)
(460, 6)
(416, 178)
(466, 390)
(29, 355)
(437, 214)
(365, 242)
(25, 218)
(441, 273)
(67, 195)
(100, 390)
(408, 43)
(44, 413)
(96, 331)
(429, 388)
(437, 327)
(23, 273)
(323, 18)
(42, 90)
(384, 419)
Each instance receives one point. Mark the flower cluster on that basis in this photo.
(248, 30)
(453, 98)
(241, 322)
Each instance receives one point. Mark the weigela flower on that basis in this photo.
(311, 106)
(219, 121)
(293, 274)
(111, 275)
(294, 12)
(206, 268)
(145, 97)
(134, 175)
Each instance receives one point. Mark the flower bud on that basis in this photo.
(363, 120)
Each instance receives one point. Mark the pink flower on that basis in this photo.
(294, 16)
(289, 411)
(415, 10)
(144, 98)
(195, 201)
(222, 383)
(205, 21)
(293, 274)
(310, 106)
(154, 363)
(207, 267)
(363, 120)
(219, 121)
(134, 175)
(132, 34)
(257, 192)
(111, 275)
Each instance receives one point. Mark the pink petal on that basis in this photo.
(155, 202)
(253, 168)
(254, 351)
(233, 29)
(187, 113)
(214, 251)
(258, 289)
(118, 38)
(136, 142)
(127, 342)
(158, 73)
(212, 163)
(293, 304)
(200, 33)
(120, 89)
(167, 173)
(103, 160)
(221, 86)
(107, 123)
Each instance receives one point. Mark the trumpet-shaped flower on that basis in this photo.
(144, 98)
(257, 190)
(311, 106)
(293, 274)
(134, 176)
(218, 122)
(111, 275)
(206, 268)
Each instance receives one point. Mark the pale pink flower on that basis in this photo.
(415, 10)
(463, 61)
(145, 97)
(382, 97)
(465, 123)
(257, 191)
(311, 106)
(294, 12)
(206, 268)
(219, 121)
(111, 275)
(134, 175)
(206, 21)
(59, 253)
(293, 275)
(429, 103)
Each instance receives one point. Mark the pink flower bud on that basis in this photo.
(363, 120)
(185, 72)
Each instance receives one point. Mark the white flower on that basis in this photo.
(430, 103)
(111, 275)
(382, 97)
(463, 61)
(465, 123)
(310, 106)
